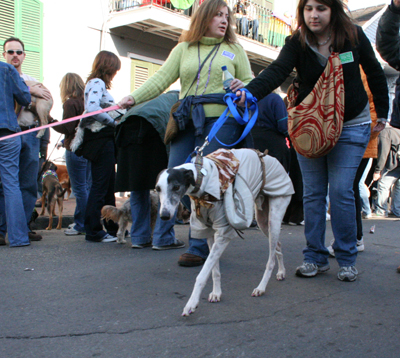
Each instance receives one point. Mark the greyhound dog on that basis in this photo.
(271, 188)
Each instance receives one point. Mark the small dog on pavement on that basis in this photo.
(271, 191)
(53, 192)
(123, 215)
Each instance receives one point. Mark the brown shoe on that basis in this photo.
(190, 260)
(2, 240)
(398, 269)
(33, 236)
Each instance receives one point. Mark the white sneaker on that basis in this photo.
(109, 238)
(71, 231)
(328, 217)
(360, 245)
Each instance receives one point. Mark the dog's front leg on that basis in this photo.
(216, 251)
(122, 225)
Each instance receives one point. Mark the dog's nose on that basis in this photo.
(165, 215)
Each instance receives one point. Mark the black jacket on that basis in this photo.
(308, 68)
(388, 45)
(388, 145)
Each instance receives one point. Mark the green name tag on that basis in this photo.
(346, 57)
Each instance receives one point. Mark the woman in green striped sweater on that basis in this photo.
(211, 42)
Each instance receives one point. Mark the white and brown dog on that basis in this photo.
(123, 215)
(272, 190)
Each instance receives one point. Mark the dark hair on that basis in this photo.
(201, 20)
(341, 25)
(105, 65)
(10, 39)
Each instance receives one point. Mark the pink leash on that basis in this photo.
(113, 108)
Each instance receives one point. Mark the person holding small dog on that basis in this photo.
(99, 148)
(12, 88)
(72, 90)
(210, 37)
(324, 28)
(14, 54)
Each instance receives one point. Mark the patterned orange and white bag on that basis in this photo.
(315, 125)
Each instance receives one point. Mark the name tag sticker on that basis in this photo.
(228, 54)
(346, 57)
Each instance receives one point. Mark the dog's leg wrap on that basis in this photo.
(217, 249)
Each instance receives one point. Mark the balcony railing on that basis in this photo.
(254, 20)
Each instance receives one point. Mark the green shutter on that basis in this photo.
(7, 23)
(24, 19)
(141, 71)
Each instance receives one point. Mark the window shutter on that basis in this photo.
(7, 23)
(23, 19)
(140, 72)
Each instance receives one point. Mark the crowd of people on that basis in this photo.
(94, 146)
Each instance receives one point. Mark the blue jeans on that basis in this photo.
(338, 169)
(385, 183)
(163, 234)
(28, 171)
(183, 145)
(11, 204)
(80, 176)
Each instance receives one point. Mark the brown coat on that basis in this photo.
(372, 148)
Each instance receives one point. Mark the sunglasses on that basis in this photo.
(18, 52)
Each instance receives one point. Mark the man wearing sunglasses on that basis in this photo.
(14, 54)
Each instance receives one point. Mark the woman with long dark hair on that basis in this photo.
(324, 27)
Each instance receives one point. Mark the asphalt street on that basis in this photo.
(64, 297)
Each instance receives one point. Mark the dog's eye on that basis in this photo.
(175, 187)
(158, 189)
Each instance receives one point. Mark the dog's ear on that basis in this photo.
(159, 174)
(189, 177)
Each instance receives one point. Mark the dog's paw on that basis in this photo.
(189, 309)
(280, 276)
(214, 297)
(121, 241)
(257, 292)
(48, 228)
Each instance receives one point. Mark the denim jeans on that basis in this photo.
(28, 172)
(101, 193)
(163, 234)
(395, 207)
(11, 204)
(81, 178)
(183, 145)
(338, 169)
(389, 178)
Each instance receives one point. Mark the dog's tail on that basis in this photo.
(62, 192)
(109, 212)
(78, 139)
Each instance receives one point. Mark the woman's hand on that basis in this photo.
(126, 102)
(242, 100)
(237, 84)
(376, 176)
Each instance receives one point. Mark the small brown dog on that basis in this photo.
(43, 107)
(54, 192)
(63, 178)
(123, 215)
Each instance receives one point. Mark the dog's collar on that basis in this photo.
(49, 172)
(198, 163)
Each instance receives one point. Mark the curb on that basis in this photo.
(42, 222)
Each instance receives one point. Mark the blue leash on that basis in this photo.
(230, 99)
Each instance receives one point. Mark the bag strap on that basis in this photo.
(216, 47)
